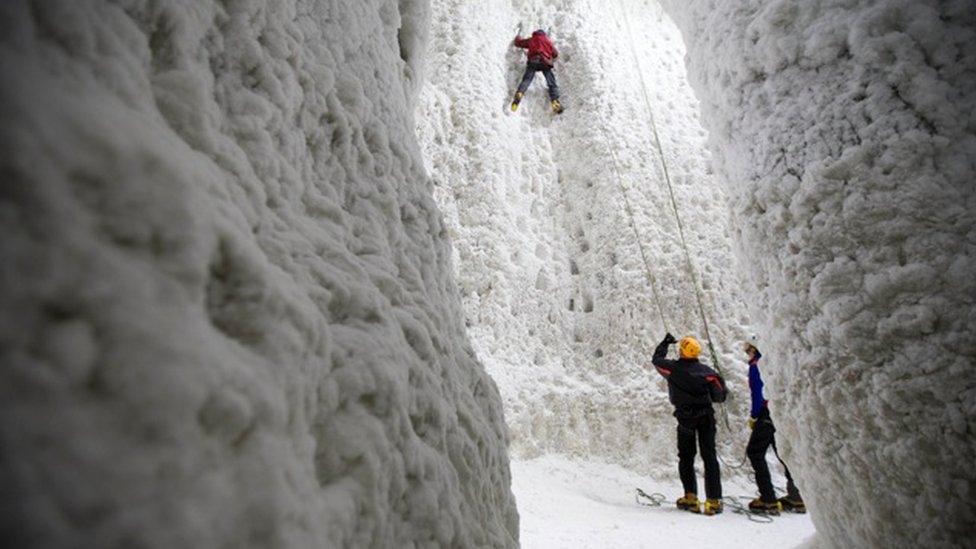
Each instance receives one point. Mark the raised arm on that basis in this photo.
(521, 42)
(660, 358)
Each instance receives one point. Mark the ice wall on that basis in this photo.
(845, 134)
(227, 315)
(558, 301)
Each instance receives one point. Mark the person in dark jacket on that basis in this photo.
(760, 440)
(541, 57)
(692, 388)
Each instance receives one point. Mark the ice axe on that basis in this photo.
(518, 31)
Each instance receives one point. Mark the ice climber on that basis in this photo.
(760, 440)
(541, 57)
(692, 388)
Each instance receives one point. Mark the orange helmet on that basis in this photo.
(689, 347)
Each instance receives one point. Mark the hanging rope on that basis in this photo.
(674, 203)
(633, 225)
(650, 276)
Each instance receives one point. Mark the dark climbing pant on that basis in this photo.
(704, 428)
(546, 70)
(760, 440)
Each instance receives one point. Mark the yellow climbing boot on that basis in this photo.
(557, 107)
(793, 505)
(765, 507)
(689, 503)
(517, 100)
(713, 506)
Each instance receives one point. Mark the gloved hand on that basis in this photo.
(669, 339)
(752, 423)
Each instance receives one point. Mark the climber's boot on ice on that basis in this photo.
(689, 503)
(792, 505)
(557, 107)
(517, 100)
(765, 507)
(713, 506)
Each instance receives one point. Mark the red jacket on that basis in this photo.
(540, 48)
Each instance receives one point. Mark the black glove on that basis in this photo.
(669, 339)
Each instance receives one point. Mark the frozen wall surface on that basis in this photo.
(847, 136)
(552, 217)
(227, 315)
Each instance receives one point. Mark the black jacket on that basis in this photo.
(692, 386)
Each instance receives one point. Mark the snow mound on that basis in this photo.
(557, 296)
(228, 316)
(846, 134)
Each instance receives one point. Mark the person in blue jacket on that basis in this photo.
(760, 440)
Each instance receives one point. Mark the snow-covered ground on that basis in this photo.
(578, 504)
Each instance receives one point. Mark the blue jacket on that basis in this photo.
(756, 387)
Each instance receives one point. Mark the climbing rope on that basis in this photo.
(654, 499)
(633, 225)
(615, 164)
(735, 505)
(674, 205)
(739, 466)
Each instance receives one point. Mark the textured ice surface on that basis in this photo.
(555, 292)
(228, 317)
(846, 134)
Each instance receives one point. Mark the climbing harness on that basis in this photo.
(654, 499)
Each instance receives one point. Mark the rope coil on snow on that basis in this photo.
(654, 499)
(734, 503)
